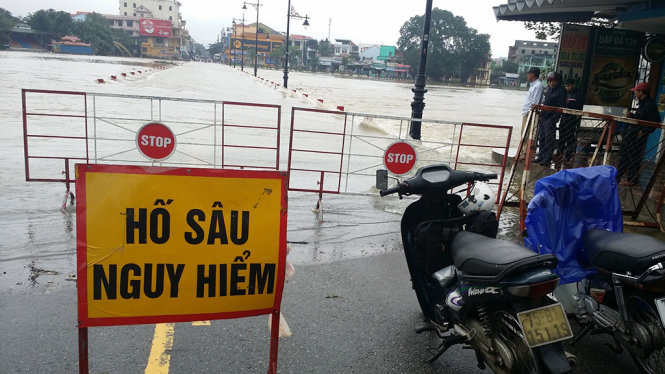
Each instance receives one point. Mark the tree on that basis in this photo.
(326, 49)
(97, 31)
(510, 67)
(7, 22)
(544, 30)
(313, 63)
(473, 53)
(200, 50)
(452, 45)
(57, 23)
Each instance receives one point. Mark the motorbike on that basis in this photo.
(474, 289)
(621, 290)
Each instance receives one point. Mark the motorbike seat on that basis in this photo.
(619, 252)
(483, 258)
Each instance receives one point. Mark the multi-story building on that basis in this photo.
(156, 25)
(306, 45)
(245, 40)
(159, 9)
(528, 54)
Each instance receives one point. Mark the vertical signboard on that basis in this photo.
(572, 56)
(614, 67)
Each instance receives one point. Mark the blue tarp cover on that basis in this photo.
(564, 206)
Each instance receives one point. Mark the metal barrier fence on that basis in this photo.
(339, 152)
(580, 139)
(332, 152)
(66, 127)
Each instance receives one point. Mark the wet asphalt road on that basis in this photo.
(350, 316)
(350, 307)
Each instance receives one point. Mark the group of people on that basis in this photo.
(634, 137)
(555, 96)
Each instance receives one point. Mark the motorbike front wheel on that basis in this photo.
(651, 359)
(508, 330)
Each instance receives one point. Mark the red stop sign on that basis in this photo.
(400, 158)
(155, 141)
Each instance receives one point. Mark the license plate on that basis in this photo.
(544, 325)
(660, 306)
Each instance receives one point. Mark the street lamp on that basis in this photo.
(418, 103)
(291, 13)
(256, 41)
(242, 43)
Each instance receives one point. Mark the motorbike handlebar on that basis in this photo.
(391, 190)
(485, 176)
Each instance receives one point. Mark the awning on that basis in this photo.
(640, 15)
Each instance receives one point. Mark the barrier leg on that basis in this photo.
(83, 350)
(319, 203)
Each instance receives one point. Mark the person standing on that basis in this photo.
(569, 123)
(635, 136)
(535, 90)
(555, 96)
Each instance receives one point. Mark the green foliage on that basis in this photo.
(7, 22)
(57, 23)
(216, 48)
(454, 48)
(326, 48)
(544, 30)
(97, 31)
(313, 63)
(200, 50)
(499, 70)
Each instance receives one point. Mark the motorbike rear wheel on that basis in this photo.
(508, 330)
(652, 360)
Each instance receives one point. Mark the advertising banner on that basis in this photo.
(613, 68)
(573, 48)
(155, 27)
(264, 46)
(178, 244)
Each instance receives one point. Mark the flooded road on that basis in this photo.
(38, 246)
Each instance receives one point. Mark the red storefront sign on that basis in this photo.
(155, 27)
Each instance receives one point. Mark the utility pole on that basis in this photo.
(418, 103)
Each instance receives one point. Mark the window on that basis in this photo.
(170, 8)
(119, 22)
(134, 5)
(125, 13)
(125, 5)
(523, 51)
(160, 7)
(130, 23)
(171, 18)
(144, 49)
(134, 14)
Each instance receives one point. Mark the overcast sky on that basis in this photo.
(362, 21)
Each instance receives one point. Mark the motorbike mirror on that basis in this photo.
(381, 179)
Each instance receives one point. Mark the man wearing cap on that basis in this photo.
(635, 136)
(535, 90)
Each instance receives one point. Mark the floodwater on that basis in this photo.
(38, 246)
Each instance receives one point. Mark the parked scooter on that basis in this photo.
(474, 289)
(619, 277)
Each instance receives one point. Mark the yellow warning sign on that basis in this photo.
(170, 244)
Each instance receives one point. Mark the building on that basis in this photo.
(528, 53)
(245, 40)
(386, 52)
(156, 25)
(307, 47)
(370, 53)
(158, 9)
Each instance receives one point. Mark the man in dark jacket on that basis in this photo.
(555, 96)
(569, 123)
(635, 136)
